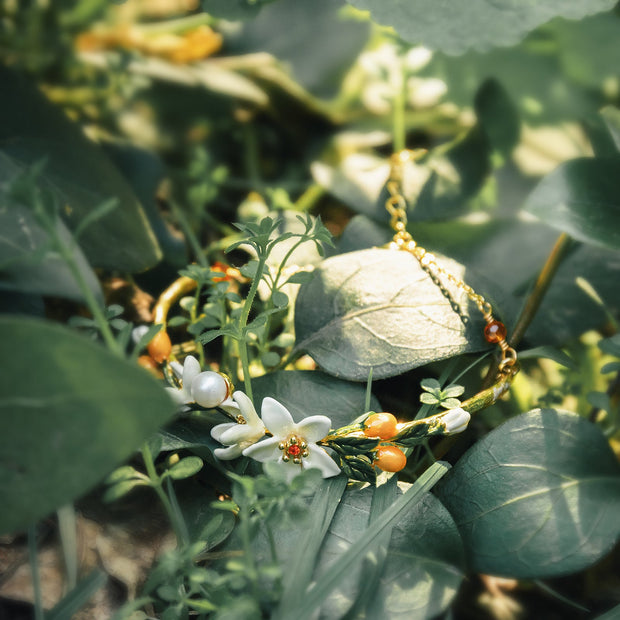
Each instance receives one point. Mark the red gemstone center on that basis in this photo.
(294, 450)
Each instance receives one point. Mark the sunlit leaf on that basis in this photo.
(379, 309)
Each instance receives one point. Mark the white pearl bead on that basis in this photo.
(209, 389)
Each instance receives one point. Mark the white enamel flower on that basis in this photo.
(293, 446)
(186, 374)
(455, 420)
(238, 436)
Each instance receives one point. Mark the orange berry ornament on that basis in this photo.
(380, 425)
(389, 458)
(160, 347)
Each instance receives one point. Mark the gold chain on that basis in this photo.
(396, 205)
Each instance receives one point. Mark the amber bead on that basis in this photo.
(495, 332)
(389, 458)
(160, 347)
(381, 425)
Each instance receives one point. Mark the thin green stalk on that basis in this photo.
(248, 552)
(95, 309)
(189, 235)
(547, 273)
(193, 315)
(309, 198)
(34, 569)
(398, 116)
(176, 520)
(243, 321)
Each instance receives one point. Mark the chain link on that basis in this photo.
(396, 206)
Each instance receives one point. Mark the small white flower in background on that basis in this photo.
(209, 389)
(293, 446)
(238, 436)
(455, 420)
(186, 374)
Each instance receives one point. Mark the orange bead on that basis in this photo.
(148, 363)
(381, 425)
(495, 332)
(160, 347)
(389, 458)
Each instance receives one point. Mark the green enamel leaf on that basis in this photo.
(379, 309)
(582, 198)
(32, 130)
(454, 26)
(70, 412)
(537, 497)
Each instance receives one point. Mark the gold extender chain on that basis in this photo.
(495, 331)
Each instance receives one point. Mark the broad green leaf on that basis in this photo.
(498, 116)
(454, 26)
(588, 48)
(27, 263)
(225, 9)
(582, 198)
(70, 411)
(313, 39)
(379, 309)
(537, 497)
(423, 569)
(306, 392)
(532, 75)
(31, 130)
(144, 172)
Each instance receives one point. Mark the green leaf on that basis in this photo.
(454, 26)
(550, 353)
(498, 116)
(305, 393)
(225, 9)
(379, 309)
(537, 497)
(70, 412)
(185, 468)
(27, 265)
(581, 198)
(121, 488)
(314, 40)
(32, 129)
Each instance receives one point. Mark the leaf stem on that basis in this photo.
(176, 518)
(243, 321)
(34, 569)
(559, 251)
(399, 129)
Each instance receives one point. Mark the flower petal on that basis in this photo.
(265, 450)
(246, 407)
(191, 369)
(241, 432)
(177, 369)
(319, 459)
(276, 417)
(227, 454)
(232, 408)
(179, 396)
(220, 429)
(314, 427)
